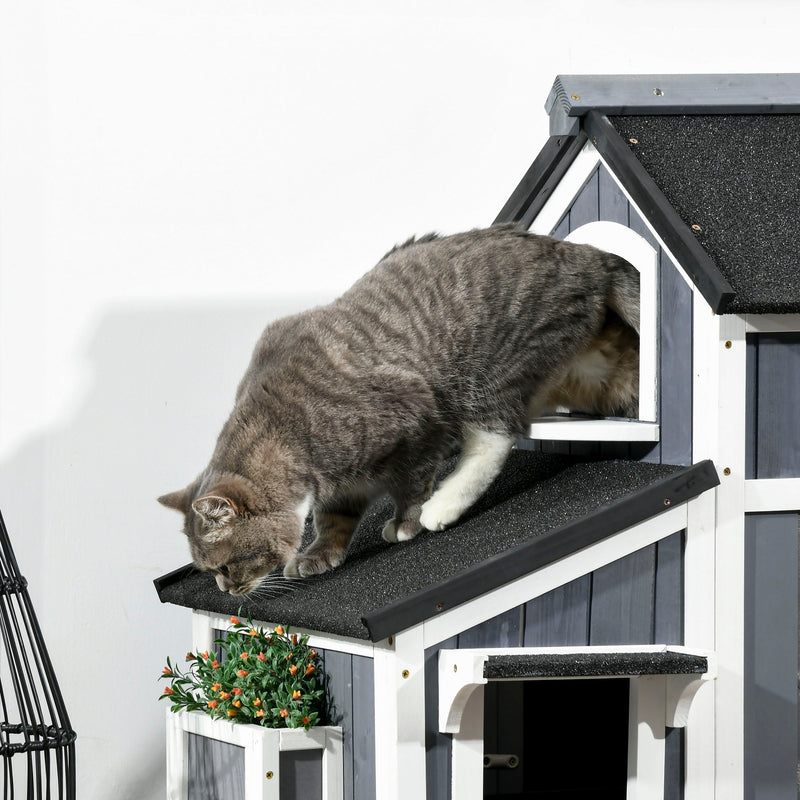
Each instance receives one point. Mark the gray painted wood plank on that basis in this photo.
(613, 205)
(675, 364)
(778, 434)
(674, 763)
(339, 682)
(300, 775)
(560, 617)
(770, 668)
(586, 206)
(623, 600)
(562, 229)
(363, 728)
(438, 746)
(751, 407)
(216, 769)
(668, 624)
(504, 630)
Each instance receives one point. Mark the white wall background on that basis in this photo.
(174, 174)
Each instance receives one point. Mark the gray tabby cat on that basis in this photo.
(448, 341)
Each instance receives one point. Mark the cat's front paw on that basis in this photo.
(439, 512)
(304, 565)
(392, 532)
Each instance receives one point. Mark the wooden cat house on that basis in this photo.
(618, 616)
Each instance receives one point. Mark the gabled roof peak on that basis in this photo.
(573, 96)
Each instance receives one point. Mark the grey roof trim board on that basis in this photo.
(575, 95)
(651, 201)
(542, 177)
(540, 551)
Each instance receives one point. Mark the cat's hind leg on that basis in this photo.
(483, 454)
(334, 525)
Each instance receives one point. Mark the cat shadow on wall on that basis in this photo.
(79, 499)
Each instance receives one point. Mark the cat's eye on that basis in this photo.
(223, 569)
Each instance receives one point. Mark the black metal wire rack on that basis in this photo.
(37, 743)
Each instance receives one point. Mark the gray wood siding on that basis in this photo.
(350, 690)
(216, 769)
(602, 199)
(771, 661)
(773, 386)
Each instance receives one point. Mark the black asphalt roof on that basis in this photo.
(541, 508)
(713, 163)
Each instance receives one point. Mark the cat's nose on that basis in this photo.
(222, 584)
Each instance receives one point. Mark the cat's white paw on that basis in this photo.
(389, 531)
(402, 533)
(439, 512)
(291, 570)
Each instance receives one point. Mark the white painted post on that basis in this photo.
(719, 434)
(262, 778)
(467, 781)
(646, 737)
(332, 767)
(177, 759)
(400, 717)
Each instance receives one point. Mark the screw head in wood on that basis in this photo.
(667, 501)
(658, 92)
(696, 227)
(270, 775)
(405, 673)
(576, 97)
(728, 344)
(726, 471)
(633, 141)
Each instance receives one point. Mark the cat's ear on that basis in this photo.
(179, 500)
(215, 510)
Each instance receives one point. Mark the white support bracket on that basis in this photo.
(460, 674)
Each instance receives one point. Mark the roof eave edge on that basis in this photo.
(541, 551)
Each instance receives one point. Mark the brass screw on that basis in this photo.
(270, 775)
(455, 667)
(576, 97)
(633, 141)
(696, 228)
(728, 344)
(390, 641)
(405, 673)
(726, 471)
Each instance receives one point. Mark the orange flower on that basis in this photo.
(311, 654)
(261, 656)
(293, 669)
(279, 630)
(234, 621)
(296, 694)
(284, 712)
(253, 632)
(205, 655)
(215, 665)
(224, 695)
(215, 687)
(166, 671)
(294, 638)
(190, 656)
(237, 691)
(306, 720)
(309, 669)
(232, 712)
(260, 713)
(237, 703)
(257, 702)
(167, 690)
(244, 656)
(242, 672)
(213, 703)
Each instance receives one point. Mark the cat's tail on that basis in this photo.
(624, 290)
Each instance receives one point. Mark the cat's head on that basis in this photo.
(233, 534)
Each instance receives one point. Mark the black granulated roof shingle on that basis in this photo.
(541, 508)
(735, 182)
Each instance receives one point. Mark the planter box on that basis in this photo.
(210, 759)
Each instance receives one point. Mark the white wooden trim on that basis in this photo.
(400, 717)
(467, 750)
(646, 737)
(593, 430)
(612, 237)
(320, 641)
(772, 323)
(772, 494)
(568, 188)
(513, 594)
(262, 747)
